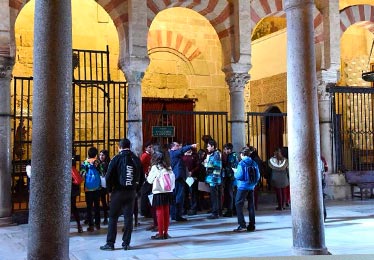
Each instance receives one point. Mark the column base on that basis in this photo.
(308, 251)
(6, 221)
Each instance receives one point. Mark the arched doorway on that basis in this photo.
(274, 129)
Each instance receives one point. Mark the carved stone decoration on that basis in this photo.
(237, 81)
(323, 78)
(6, 66)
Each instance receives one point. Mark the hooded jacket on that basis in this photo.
(241, 174)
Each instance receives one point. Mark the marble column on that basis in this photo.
(134, 111)
(50, 187)
(325, 120)
(6, 65)
(329, 74)
(237, 82)
(303, 131)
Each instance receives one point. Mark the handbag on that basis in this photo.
(77, 178)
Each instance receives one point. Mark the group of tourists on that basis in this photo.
(165, 179)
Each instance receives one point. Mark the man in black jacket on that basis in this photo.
(123, 177)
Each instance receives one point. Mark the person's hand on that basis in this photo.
(194, 145)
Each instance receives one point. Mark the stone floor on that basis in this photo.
(349, 234)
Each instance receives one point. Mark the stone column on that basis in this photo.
(237, 82)
(134, 110)
(6, 65)
(303, 131)
(328, 74)
(133, 62)
(50, 187)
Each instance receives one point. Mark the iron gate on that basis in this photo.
(189, 126)
(352, 118)
(99, 116)
(266, 132)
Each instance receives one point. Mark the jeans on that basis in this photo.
(176, 209)
(93, 199)
(228, 194)
(241, 196)
(194, 196)
(215, 199)
(121, 202)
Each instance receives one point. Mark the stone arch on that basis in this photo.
(220, 14)
(261, 9)
(176, 41)
(101, 32)
(363, 15)
(117, 10)
(172, 42)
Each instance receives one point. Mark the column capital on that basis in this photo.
(237, 81)
(6, 67)
(134, 68)
(325, 77)
(290, 4)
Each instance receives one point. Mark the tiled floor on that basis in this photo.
(349, 229)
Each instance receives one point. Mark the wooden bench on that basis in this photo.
(364, 180)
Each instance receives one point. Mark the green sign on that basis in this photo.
(163, 131)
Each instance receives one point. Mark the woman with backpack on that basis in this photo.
(91, 170)
(162, 179)
(247, 176)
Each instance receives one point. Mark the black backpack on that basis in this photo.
(130, 176)
(252, 175)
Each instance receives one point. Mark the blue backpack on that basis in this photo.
(92, 180)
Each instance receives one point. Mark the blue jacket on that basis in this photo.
(241, 175)
(213, 169)
(177, 163)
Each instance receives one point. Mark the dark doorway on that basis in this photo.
(274, 128)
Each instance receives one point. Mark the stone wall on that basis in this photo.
(264, 93)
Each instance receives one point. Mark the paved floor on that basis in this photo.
(349, 230)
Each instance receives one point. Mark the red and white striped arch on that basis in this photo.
(362, 15)
(118, 11)
(169, 39)
(264, 8)
(217, 12)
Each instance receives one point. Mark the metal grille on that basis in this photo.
(21, 139)
(352, 115)
(99, 116)
(266, 132)
(190, 126)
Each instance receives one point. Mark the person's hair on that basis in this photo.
(147, 144)
(246, 151)
(212, 142)
(172, 144)
(228, 146)
(160, 157)
(106, 153)
(201, 153)
(253, 151)
(124, 143)
(92, 152)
